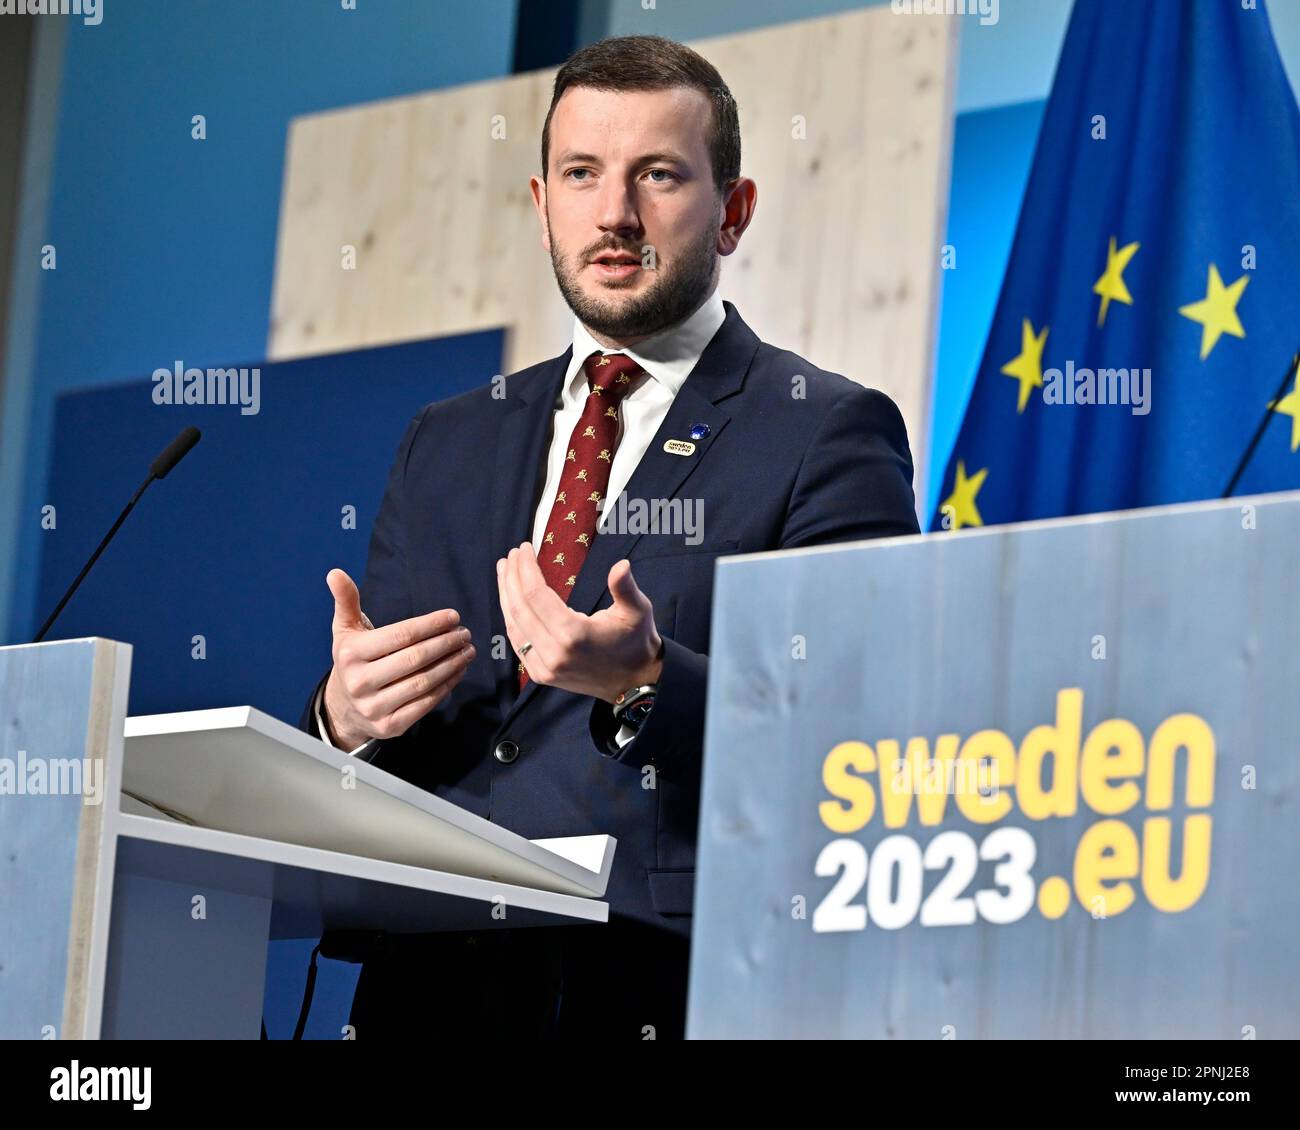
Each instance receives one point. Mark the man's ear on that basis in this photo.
(738, 203)
(538, 188)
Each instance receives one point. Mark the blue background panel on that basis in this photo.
(234, 545)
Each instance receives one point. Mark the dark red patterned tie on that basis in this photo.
(571, 527)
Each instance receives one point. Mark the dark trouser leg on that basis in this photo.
(485, 985)
(620, 981)
(623, 981)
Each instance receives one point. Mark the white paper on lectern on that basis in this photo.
(238, 770)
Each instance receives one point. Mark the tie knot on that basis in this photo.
(611, 373)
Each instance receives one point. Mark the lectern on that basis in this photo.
(145, 863)
(1039, 781)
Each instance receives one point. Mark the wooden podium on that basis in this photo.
(1032, 782)
(148, 861)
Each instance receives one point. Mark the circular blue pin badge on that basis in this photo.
(699, 431)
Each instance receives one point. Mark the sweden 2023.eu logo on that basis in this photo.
(1054, 774)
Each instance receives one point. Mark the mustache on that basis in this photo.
(635, 252)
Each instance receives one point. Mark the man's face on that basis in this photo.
(630, 183)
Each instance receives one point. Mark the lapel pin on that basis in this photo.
(679, 447)
(699, 431)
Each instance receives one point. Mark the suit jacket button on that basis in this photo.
(506, 752)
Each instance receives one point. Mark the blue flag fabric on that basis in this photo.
(1151, 304)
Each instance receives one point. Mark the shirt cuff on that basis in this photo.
(319, 708)
(610, 736)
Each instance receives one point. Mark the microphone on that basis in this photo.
(170, 455)
(1259, 431)
(173, 453)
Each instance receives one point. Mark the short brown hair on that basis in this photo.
(650, 62)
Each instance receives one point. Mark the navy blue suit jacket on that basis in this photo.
(776, 470)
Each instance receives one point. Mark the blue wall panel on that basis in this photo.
(234, 545)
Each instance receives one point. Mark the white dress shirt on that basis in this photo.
(667, 358)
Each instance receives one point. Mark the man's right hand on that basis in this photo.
(386, 679)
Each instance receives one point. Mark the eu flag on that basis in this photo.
(1151, 305)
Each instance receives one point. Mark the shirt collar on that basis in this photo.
(668, 356)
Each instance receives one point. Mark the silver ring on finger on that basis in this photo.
(525, 650)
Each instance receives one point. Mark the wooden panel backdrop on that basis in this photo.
(841, 263)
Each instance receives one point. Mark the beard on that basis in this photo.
(674, 295)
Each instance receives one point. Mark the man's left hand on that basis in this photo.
(600, 655)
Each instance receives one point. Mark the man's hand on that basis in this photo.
(600, 655)
(386, 679)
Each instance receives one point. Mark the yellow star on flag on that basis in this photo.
(1289, 405)
(961, 503)
(1217, 311)
(1111, 284)
(1027, 368)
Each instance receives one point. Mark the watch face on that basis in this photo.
(631, 707)
(636, 713)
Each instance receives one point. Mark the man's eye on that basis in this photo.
(572, 171)
(666, 173)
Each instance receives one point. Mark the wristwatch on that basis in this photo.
(632, 707)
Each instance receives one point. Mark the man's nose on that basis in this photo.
(617, 207)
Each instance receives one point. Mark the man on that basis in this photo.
(593, 719)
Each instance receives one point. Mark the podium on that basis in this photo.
(147, 862)
(1038, 781)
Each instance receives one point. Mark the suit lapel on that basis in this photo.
(659, 475)
(525, 425)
